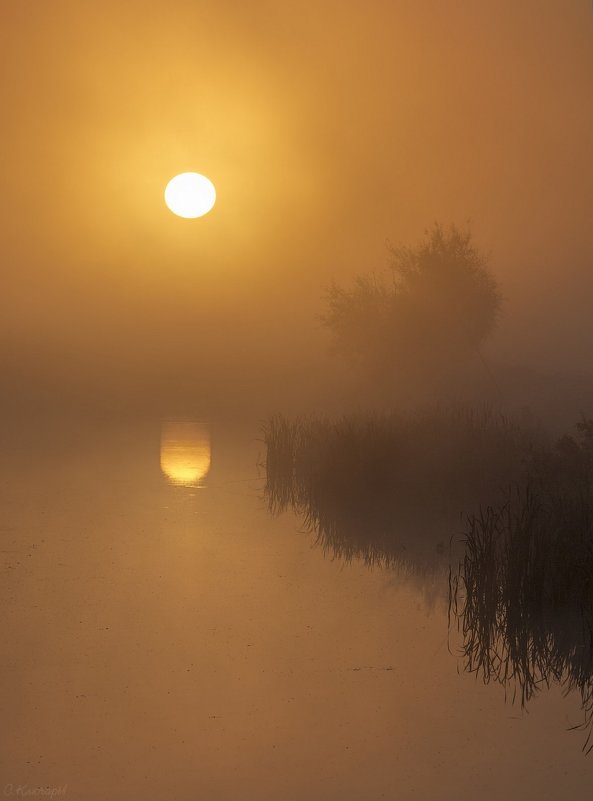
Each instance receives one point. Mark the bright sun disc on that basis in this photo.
(190, 195)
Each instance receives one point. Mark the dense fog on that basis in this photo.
(333, 133)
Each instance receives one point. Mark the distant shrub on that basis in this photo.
(439, 301)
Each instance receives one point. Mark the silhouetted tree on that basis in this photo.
(439, 301)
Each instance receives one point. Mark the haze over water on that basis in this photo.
(162, 640)
(271, 526)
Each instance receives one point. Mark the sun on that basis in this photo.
(190, 195)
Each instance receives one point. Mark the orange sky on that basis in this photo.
(327, 129)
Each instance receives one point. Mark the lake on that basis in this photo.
(164, 636)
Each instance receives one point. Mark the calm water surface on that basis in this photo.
(164, 637)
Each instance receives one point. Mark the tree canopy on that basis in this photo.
(438, 300)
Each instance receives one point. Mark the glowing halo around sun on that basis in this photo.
(190, 195)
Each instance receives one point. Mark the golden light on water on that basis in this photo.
(185, 453)
(190, 195)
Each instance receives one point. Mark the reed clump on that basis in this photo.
(383, 489)
(372, 486)
(522, 596)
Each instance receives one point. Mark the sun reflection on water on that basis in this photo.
(185, 453)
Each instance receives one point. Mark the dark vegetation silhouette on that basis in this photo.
(390, 490)
(383, 488)
(437, 305)
(522, 596)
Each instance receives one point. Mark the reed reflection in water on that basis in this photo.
(185, 452)
(386, 489)
(522, 597)
(386, 493)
